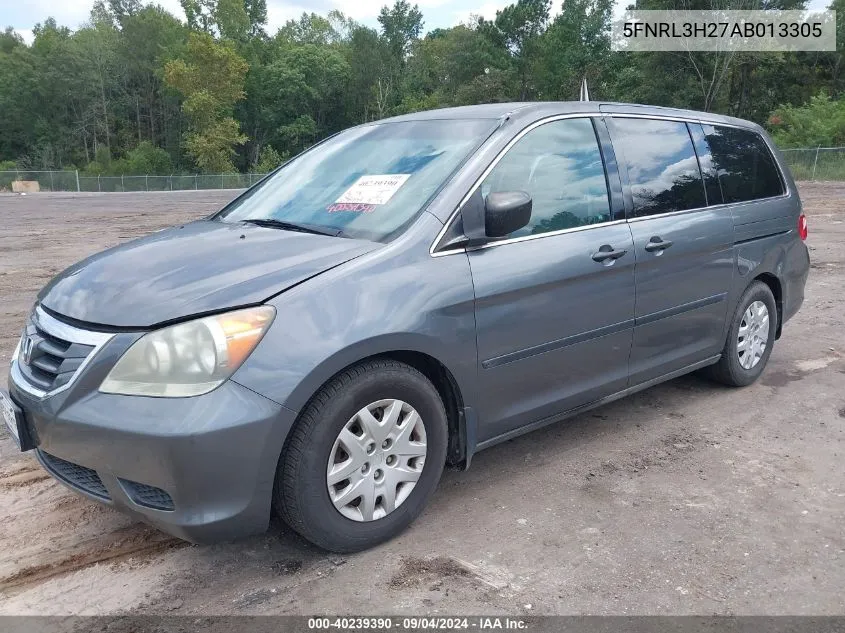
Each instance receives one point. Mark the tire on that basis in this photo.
(730, 370)
(301, 492)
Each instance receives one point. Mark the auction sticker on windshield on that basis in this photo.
(373, 189)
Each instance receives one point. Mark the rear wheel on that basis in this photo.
(364, 457)
(750, 339)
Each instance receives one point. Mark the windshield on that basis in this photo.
(367, 182)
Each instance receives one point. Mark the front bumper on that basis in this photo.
(201, 468)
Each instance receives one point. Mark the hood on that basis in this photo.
(200, 267)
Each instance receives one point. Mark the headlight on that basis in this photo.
(190, 358)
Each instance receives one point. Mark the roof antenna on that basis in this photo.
(585, 92)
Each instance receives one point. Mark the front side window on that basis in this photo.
(662, 167)
(367, 182)
(559, 164)
(746, 168)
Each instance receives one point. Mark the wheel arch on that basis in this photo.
(776, 287)
(460, 417)
(447, 386)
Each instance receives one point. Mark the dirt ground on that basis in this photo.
(686, 498)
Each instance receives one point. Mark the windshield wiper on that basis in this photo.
(294, 226)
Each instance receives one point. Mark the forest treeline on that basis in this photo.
(138, 90)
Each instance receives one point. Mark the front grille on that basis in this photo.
(52, 352)
(79, 477)
(52, 361)
(148, 496)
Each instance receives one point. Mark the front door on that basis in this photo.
(554, 300)
(683, 248)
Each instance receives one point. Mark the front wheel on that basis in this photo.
(750, 338)
(364, 457)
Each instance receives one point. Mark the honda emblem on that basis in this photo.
(26, 349)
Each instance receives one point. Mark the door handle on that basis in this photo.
(656, 245)
(607, 252)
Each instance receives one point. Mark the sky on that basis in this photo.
(23, 15)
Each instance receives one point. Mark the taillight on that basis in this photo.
(802, 226)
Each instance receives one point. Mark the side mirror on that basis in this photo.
(500, 214)
(506, 212)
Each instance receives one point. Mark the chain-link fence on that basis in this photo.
(819, 163)
(816, 163)
(47, 180)
(74, 181)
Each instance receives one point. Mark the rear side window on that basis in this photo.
(705, 163)
(559, 164)
(662, 168)
(746, 167)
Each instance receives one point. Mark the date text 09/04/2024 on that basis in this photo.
(479, 623)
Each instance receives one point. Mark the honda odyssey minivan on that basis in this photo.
(397, 298)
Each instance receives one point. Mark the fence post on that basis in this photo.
(98, 184)
(51, 182)
(122, 186)
(146, 182)
(221, 181)
(815, 162)
(171, 182)
(77, 182)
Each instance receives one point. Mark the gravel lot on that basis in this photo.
(686, 498)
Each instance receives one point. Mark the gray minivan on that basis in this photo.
(398, 297)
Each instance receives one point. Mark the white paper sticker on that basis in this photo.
(374, 189)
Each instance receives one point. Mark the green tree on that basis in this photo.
(576, 45)
(149, 38)
(236, 20)
(370, 75)
(211, 78)
(401, 24)
(214, 91)
(97, 46)
(19, 77)
(123, 9)
(268, 161)
(517, 28)
(68, 117)
(456, 66)
(306, 85)
(310, 28)
(821, 122)
(10, 40)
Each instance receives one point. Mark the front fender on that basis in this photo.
(391, 300)
(375, 346)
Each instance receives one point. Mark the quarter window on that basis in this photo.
(746, 167)
(705, 163)
(559, 164)
(662, 167)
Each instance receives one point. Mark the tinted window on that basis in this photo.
(368, 181)
(746, 168)
(662, 167)
(705, 163)
(560, 165)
